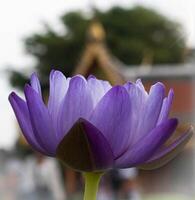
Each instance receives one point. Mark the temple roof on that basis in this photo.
(96, 51)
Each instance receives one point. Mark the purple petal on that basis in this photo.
(22, 114)
(141, 87)
(98, 89)
(84, 148)
(40, 120)
(58, 88)
(35, 84)
(77, 104)
(91, 76)
(167, 102)
(138, 98)
(151, 111)
(167, 153)
(112, 116)
(147, 146)
(106, 85)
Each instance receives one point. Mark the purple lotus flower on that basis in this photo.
(92, 126)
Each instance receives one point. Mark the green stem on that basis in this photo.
(91, 185)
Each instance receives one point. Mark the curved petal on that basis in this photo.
(58, 88)
(98, 88)
(167, 102)
(165, 154)
(112, 116)
(35, 83)
(84, 148)
(151, 111)
(22, 114)
(105, 84)
(77, 104)
(138, 98)
(40, 120)
(146, 147)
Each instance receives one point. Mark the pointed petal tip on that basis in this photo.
(139, 81)
(128, 85)
(160, 86)
(27, 89)
(171, 91)
(13, 98)
(11, 95)
(35, 83)
(53, 72)
(91, 76)
(171, 95)
(78, 78)
(27, 86)
(34, 75)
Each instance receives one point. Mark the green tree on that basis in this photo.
(129, 34)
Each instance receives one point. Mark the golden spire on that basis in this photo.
(96, 31)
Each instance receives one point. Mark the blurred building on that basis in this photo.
(96, 58)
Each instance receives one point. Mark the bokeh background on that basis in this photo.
(115, 40)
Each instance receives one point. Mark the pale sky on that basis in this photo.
(19, 18)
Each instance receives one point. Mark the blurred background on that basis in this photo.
(115, 40)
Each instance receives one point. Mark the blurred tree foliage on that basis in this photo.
(130, 34)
